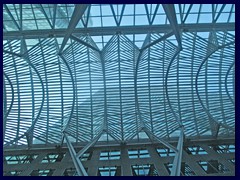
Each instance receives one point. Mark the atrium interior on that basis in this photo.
(119, 89)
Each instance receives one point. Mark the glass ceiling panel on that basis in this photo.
(57, 16)
(161, 17)
(203, 13)
(10, 23)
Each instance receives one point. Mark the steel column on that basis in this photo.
(176, 169)
(77, 163)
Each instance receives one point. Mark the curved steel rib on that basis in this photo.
(213, 121)
(229, 69)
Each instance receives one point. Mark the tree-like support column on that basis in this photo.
(77, 163)
(176, 169)
(75, 156)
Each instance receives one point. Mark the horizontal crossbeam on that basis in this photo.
(96, 31)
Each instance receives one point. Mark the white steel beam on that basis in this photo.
(76, 16)
(171, 15)
(189, 9)
(157, 41)
(152, 137)
(91, 143)
(139, 29)
(77, 163)
(21, 17)
(105, 124)
(45, 14)
(88, 14)
(54, 15)
(154, 15)
(219, 13)
(114, 15)
(84, 43)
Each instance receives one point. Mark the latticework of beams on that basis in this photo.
(123, 87)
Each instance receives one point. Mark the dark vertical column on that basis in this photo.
(126, 166)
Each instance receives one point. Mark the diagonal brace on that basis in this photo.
(152, 136)
(91, 143)
(163, 38)
(171, 15)
(77, 163)
(84, 43)
(76, 16)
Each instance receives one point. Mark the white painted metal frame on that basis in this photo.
(122, 90)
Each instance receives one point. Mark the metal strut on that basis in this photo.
(75, 156)
(77, 163)
(176, 169)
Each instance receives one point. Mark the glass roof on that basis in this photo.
(57, 16)
(83, 69)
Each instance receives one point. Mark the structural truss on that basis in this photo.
(83, 73)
